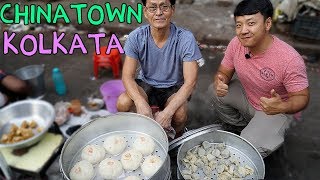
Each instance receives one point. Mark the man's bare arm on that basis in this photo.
(297, 101)
(128, 78)
(15, 84)
(225, 73)
(132, 89)
(190, 74)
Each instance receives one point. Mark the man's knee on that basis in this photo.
(264, 143)
(124, 103)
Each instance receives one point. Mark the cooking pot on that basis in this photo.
(128, 125)
(242, 149)
(34, 75)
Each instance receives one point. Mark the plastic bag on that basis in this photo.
(62, 113)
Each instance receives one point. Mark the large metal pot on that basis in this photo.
(34, 75)
(123, 123)
(38, 110)
(240, 147)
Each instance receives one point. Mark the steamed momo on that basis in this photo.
(93, 153)
(110, 169)
(131, 160)
(151, 165)
(144, 144)
(82, 170)
(115, 144)
(132, 178)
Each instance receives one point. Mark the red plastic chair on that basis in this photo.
(112, 60)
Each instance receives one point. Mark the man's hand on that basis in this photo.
(163, 119)
(221, 86)
(144, 108)
(273, 105)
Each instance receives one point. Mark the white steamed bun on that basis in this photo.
(110, 168)
(82, 170)
(132, 178)
(115, 144)
(131, 160)
(93, 153)
(151, 165)
(144, 144)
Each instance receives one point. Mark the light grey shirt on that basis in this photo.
(162, 67)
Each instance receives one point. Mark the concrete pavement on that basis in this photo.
(298, 158)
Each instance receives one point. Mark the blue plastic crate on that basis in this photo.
(307, 27)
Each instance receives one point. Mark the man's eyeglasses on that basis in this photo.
(163, 8)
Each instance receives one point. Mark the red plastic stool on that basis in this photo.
(112, 60)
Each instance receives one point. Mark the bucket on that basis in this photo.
(34, 76)
(110, 91)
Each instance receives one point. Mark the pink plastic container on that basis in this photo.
(110, 91)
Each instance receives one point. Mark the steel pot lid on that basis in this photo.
(192, 134)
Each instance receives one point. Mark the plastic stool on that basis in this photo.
(112, 60)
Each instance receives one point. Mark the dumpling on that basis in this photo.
(82, 170)
(110, 169)
(224, 176)
(93, 153)
(131, 160)
(144, 144)
(151, 165)
(115, 144)
(225, 153)
(132, 178)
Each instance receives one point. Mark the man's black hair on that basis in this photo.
(249, 7)
(173, 2)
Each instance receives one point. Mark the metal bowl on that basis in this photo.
(38, 110)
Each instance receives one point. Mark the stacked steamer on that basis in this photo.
(117, 151)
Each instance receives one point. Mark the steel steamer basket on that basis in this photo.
(242, 149)
(130, 125)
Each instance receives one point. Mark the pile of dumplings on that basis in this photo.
(213, 160)
(105, 159)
